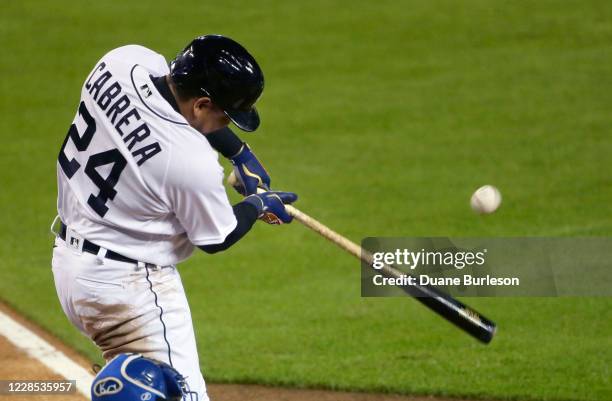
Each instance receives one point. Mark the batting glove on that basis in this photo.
(249, 172)
(271, 206)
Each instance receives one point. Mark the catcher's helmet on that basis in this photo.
(133, 377)
(220, 68)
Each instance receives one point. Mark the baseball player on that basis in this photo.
(140, 185)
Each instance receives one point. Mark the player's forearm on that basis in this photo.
(246, 215)
(225, 141)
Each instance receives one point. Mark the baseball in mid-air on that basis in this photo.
(486, 199)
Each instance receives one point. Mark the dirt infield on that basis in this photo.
(16, 365)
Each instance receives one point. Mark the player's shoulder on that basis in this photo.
(132, 51)
(133, 54)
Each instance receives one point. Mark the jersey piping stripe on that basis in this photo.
(161, 315)
(145, 104)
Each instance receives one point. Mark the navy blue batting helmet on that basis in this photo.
(133, 377)
(220, 68)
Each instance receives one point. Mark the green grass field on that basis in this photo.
(384, 116)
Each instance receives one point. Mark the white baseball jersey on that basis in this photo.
(133, 176)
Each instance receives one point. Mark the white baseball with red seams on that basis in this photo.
(486, 199)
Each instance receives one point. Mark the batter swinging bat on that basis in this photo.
(443, 304)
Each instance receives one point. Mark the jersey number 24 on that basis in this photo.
(70, 167)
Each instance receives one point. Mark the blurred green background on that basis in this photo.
(384, 116)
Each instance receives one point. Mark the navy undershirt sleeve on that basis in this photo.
(246, 214)
(225, 141)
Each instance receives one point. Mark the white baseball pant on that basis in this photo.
(126, 307)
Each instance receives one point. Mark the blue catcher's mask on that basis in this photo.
(133, 377)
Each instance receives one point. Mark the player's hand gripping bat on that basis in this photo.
(443, 304)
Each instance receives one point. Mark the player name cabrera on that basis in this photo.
(468, 280)
(130, 127)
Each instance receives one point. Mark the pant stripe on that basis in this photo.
(161, 314)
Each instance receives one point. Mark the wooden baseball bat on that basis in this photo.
(443, 304)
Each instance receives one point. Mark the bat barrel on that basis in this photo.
(454, 311)
(443, 304)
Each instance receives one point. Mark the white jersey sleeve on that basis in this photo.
(198, 199)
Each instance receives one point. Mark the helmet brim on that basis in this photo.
(246, 120)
